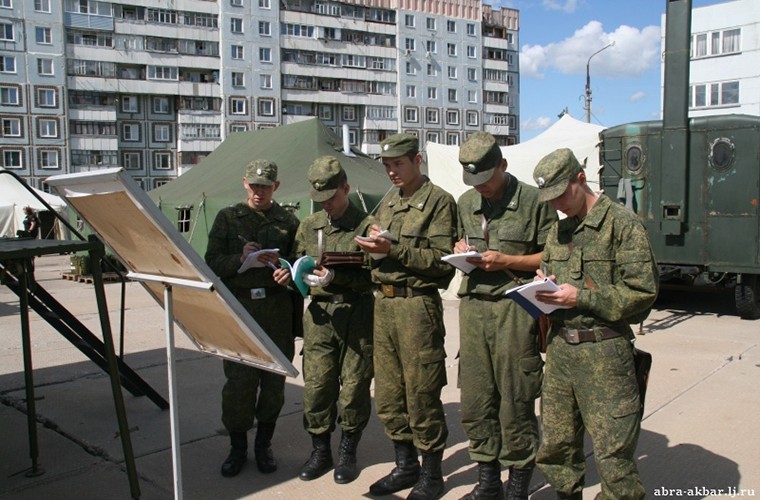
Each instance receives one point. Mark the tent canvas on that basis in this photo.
(217, 181)
(14, 197)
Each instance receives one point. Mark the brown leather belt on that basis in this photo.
(578, 336)
(391, 291)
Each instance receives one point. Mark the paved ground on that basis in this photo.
(699, 435)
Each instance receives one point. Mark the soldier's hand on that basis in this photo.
(566, 296)
(281, 276)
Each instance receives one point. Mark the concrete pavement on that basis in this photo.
(699, 435)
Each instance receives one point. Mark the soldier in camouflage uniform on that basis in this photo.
(409, 349)
(601, 257)
(500, 367)
(337, 347)
(249, 393)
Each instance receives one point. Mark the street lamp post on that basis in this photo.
(588, 82)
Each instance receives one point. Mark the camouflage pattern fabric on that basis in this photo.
(409, 354)
(592, 386)
(500, 368)
(249, 392)
(337, 348)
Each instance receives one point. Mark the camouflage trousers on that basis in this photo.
(410, 370)
(500, 374)
(337, 365)
(250, 392)
(590, 386)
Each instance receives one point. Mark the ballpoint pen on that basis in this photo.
(241, 238)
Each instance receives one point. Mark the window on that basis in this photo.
(472, 118)
(411, 91)
(11, 127)
(431, 137)
(731, 40)
(409, 20)
(8, 4)
(470, 29)
(130, 132)
(42, 5)
(162, 132)
(183, 219)
(266, 107)
(129, 104)
(451, 49)
(47, 128)
(131, 160)
(237, 51)
(7, 64)
(6, 32)
(236, 3)
(236, 25)
(451, 26)
(265, 28)
(452, 139)
(720, 94)
(48, 159)
(432, 70)
(238, 105)
(431, 46)
(265, 54)
(411, 68)
(43, 36)
(452, 117)
(163, 73)
(470, 51)
(161, 105)
(432, 116)
(472, 74)
(162, 160)
(265, 81)
(729, 93)
(9, 96)
(410, 114)
(700, 45)
(472, 96)
(238, 79)
(409, 44)
(46, 98)
(349, 113)
(12, 158)
(264, 4)
(44, 66)
(238, 127)
(430, 23)
(452, 93)
(432, 93)
(453, 72)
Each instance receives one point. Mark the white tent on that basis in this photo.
(444, 169)
(583, 138)
(14, 197)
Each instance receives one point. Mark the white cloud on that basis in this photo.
(638, 96)
(539, 123)
(635, 51)
(568, 6)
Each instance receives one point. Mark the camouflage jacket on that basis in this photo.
(338, 236)
(608, 257)
(517, 225)
(425, 227)
(275, 228)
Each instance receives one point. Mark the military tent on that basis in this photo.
(194, 198)
(15, 195)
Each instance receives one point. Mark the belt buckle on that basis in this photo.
(571, 336)
(387, 291)
(258, 293)
(337, 298)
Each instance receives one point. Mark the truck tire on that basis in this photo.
(747, 296)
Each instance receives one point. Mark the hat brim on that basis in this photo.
(320, 196)
(477, 179)
(551, 192)
(262, 181)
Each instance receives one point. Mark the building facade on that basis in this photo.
(155, 86)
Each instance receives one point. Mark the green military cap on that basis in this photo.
(399, 145)
(325, 176)
(262, 172)
(553, 173)
(479, 156)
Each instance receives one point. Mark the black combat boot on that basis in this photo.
(489, 482)
(320, 460)
(404, 475)
(518, 484)
(572, 496)
(346, 470)
(238, 454)
(262, 448)
(430, 485)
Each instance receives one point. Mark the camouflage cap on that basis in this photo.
(479, 156)
(325, 176)
(399, 145)
(262, 172)
(553, 173)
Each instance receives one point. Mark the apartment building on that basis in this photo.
(155, 86)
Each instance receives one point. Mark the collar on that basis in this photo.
(595, 217)
(509, 200)
(417, 200)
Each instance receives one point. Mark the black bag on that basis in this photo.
(642, 362)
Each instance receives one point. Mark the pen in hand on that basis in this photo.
(245, 241)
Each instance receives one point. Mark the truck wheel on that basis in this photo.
(747, 296)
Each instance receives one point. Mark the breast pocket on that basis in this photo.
(598, 266)
(566, 266)
(515, 240)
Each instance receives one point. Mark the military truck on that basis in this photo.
(694, 182)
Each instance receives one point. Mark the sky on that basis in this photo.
(557, 37)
